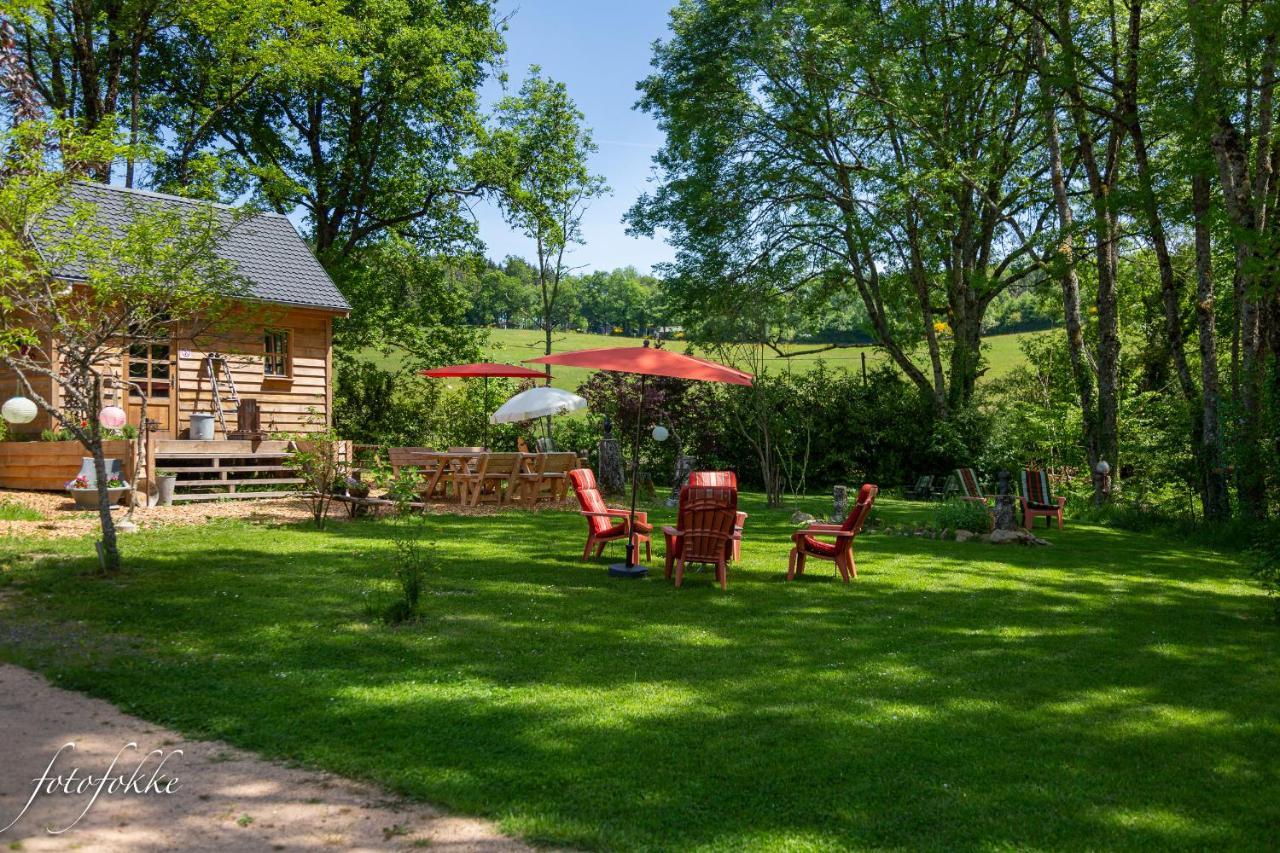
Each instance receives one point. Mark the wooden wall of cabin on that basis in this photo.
(298, 402)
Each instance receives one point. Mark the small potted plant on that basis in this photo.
(165, 482)
(85, 493)
(356, 487)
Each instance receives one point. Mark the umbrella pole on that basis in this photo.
(630, 569)
(485, 413)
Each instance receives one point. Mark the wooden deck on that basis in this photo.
(227, 469)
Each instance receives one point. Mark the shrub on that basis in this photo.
(1266, 562)
(316, 463)
(414, 558)
(959, 514)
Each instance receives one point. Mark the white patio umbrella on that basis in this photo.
(539, 402)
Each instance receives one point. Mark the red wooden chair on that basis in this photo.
(703, 531)
(601, 528)
(841, 551)
(970, 488)
(728, 480)
(1038, 499)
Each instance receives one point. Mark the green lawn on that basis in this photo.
(514, 345)
(1112, 690)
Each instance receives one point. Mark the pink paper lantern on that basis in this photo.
(112, 417)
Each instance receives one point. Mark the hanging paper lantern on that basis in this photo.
(660, 433)
(112, 417)
(18, 410)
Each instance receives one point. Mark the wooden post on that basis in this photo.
(148, 434)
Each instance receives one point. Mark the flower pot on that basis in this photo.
(164, 490)
(88, 498)
(112, 466)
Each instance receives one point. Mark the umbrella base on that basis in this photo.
(622, 570)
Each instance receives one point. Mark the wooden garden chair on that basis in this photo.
(1038, 499)
(427, 464)
(970, 488)
(498, 478)
(923, 489)
(727, 479)
(605, 525)
(550, 480)
(703, 532)
(406, 457)
(840, 552)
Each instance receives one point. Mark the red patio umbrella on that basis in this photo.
(646, 361)
(484, 369)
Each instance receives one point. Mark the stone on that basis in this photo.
(1018, 536)
(964, 535)
(799, 517)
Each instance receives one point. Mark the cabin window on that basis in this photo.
(276, 361)
(149, 370)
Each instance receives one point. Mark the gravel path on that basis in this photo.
(224, 799)
(60, 517)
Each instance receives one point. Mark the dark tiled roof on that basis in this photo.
(276, 263)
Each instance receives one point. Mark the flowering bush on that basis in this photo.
(80, 482)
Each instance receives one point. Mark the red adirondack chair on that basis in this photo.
(703, 531)
(1038, 499)
(601, 527)
(841, 551)
(728, 480)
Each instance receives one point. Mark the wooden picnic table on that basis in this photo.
(501, 477)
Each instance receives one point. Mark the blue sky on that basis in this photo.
(598, 49)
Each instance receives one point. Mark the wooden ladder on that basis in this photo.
(214, 362)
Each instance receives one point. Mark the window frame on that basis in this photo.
(158, 388)
(270, 357)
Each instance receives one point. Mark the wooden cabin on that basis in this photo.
(274, 350)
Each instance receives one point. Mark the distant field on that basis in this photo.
(515, 345)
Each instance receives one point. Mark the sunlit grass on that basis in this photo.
(514, 345)
(1112, 690)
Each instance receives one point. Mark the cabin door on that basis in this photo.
(151, 367)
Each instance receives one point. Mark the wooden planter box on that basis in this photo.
(48, 465)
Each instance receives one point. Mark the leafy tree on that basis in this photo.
(817, 149)
(541, 135)
(163, 69)
(383, 143)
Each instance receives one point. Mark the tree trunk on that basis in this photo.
(1100, 182)
(110, 554)
(1216, 502)
(1070, 281)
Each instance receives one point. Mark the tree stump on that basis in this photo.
(611, 478)
(840, 504)
(684, 467)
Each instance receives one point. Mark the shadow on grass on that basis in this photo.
(1101, 692)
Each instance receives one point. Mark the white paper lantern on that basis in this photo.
(660, 433)
(19, 410)
(112, 417)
